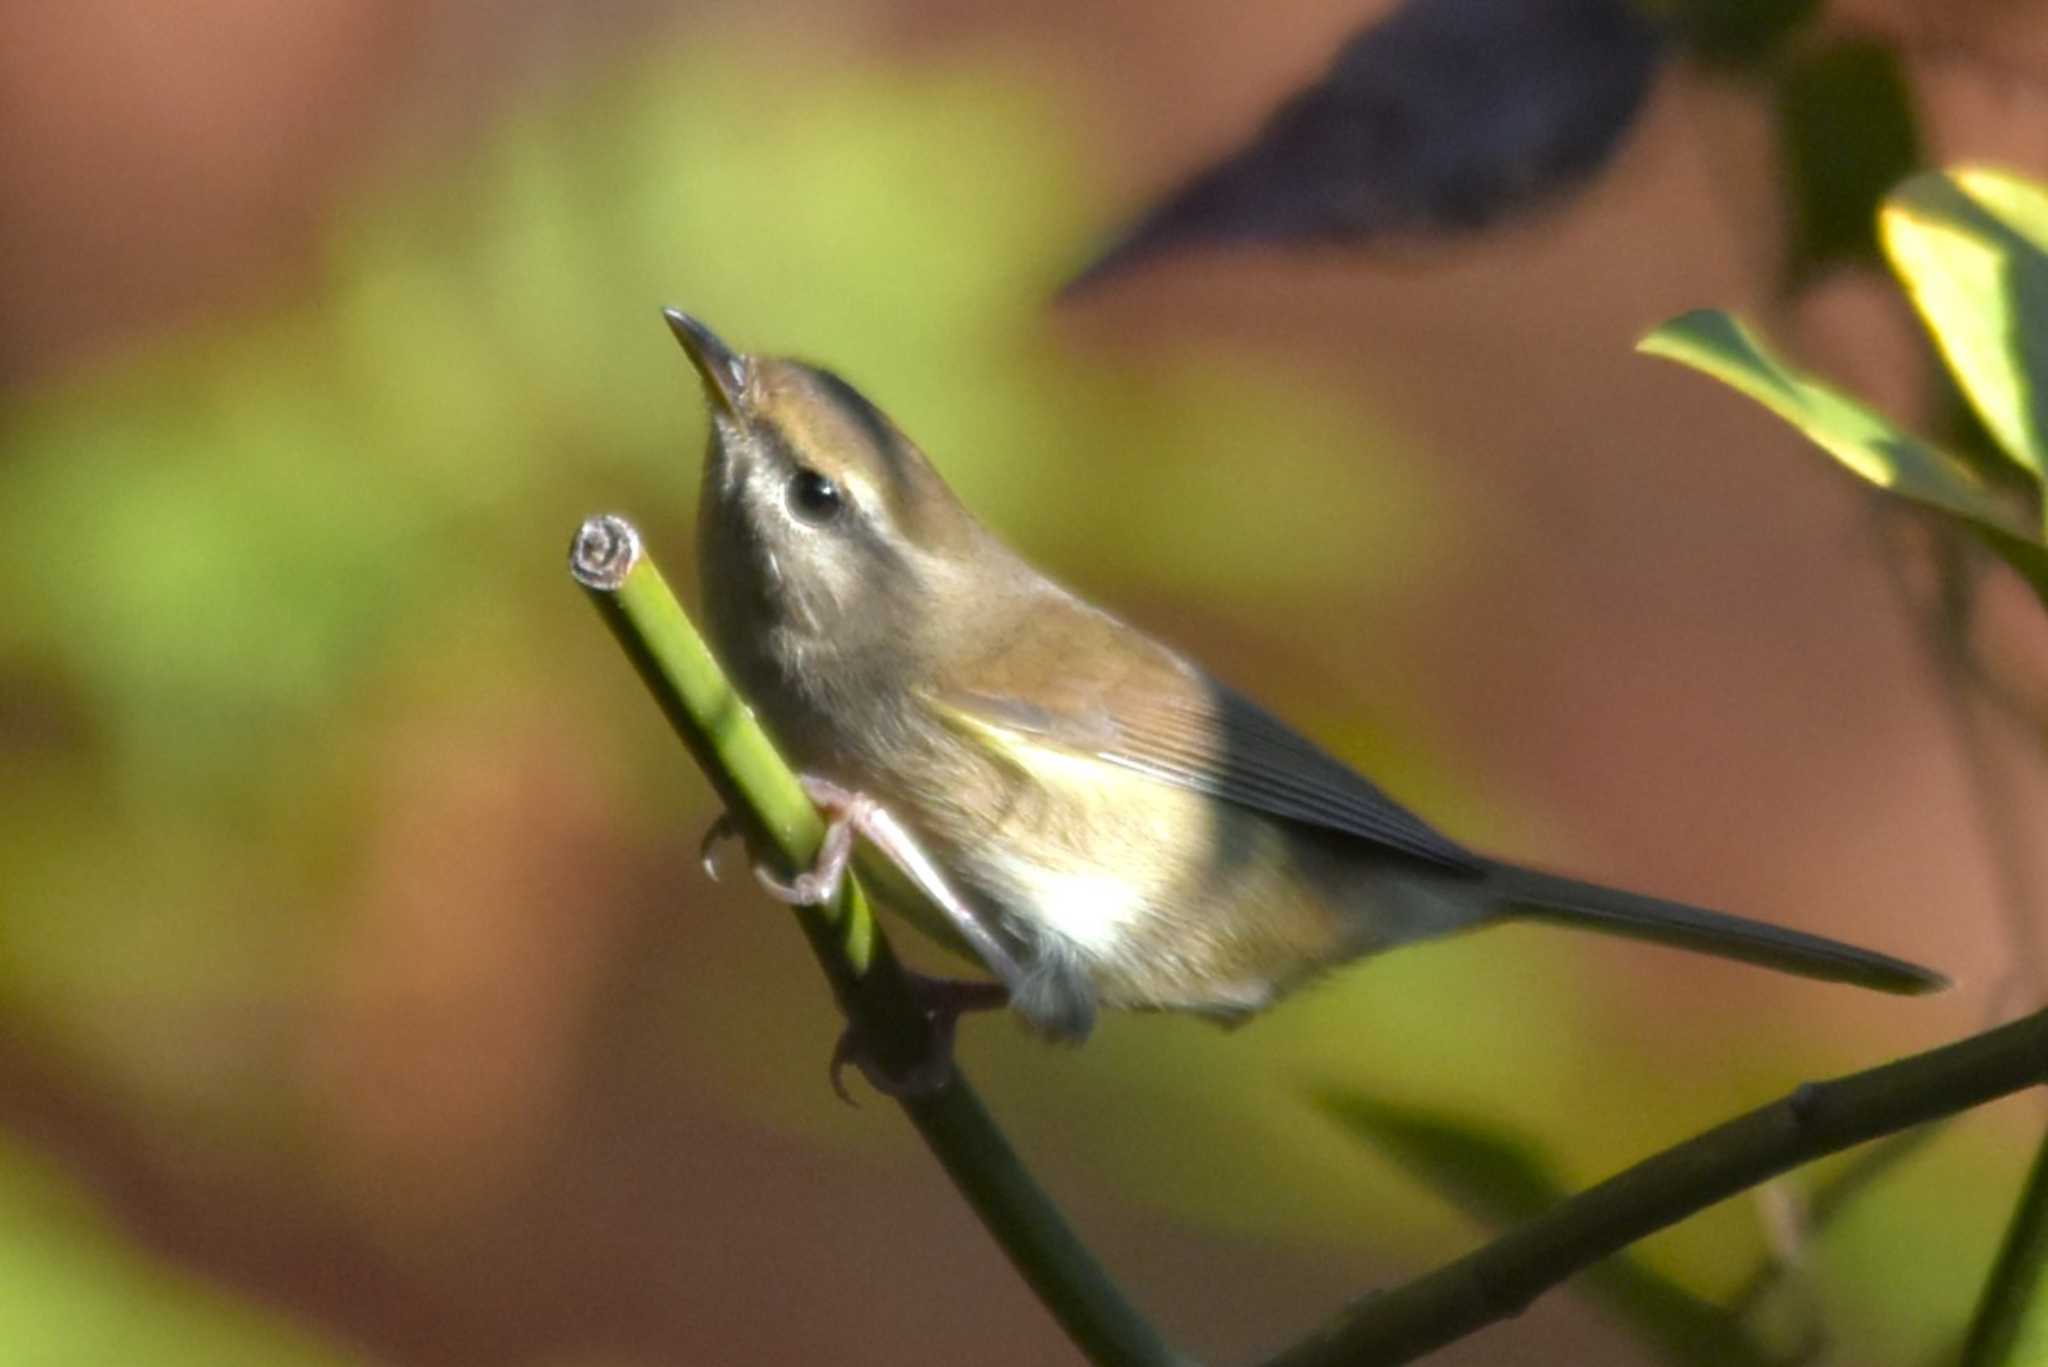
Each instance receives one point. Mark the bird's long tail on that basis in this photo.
(1530, 895)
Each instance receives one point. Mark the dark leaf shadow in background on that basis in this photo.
(1440, 119)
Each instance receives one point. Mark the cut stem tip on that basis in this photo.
(604, 552)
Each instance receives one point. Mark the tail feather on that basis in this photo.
(1527, 894)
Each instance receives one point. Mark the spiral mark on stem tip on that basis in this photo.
(605, 550)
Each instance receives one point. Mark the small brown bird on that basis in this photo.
(1100, 822)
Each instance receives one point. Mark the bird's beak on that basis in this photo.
(724, 371)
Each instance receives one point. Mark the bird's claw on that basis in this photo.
(812, 888)
(929, 1074)
(720, 830)
(943, 1001)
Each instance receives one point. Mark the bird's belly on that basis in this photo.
(1165, 898)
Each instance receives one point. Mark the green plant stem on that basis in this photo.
(2009, 1318)
(764, 797)
(1499, 1280)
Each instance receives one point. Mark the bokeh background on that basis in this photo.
(360, 998)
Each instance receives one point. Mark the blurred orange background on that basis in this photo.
(363, 1001)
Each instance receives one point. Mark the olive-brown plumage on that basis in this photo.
(1117, 827)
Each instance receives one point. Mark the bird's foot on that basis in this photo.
(847, 814)
(943, 1001)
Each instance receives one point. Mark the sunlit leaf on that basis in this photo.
(1855, 434)
(1443, 117)
(1852, 432)
(1972, 249)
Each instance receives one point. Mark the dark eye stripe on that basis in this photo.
(854, 520)
(856, 406)
(892, 460)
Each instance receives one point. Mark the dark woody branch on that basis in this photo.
(1498, 1281)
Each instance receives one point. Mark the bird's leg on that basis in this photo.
(849, 814)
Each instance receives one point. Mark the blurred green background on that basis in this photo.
(363, 1002)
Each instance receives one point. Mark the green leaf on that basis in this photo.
(1848, 131)
(2011, 1323)
(1492, 1177)
(2026, 555)
(1499, 1178)
(1735, 34)
(1853, 433)
(1856, 435)
(1971, 246)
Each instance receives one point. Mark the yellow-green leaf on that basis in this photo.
(1853, 433)
(1971, 246)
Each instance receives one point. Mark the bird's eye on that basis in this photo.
(813, 497)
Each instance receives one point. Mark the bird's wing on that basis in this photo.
(1124, 699)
